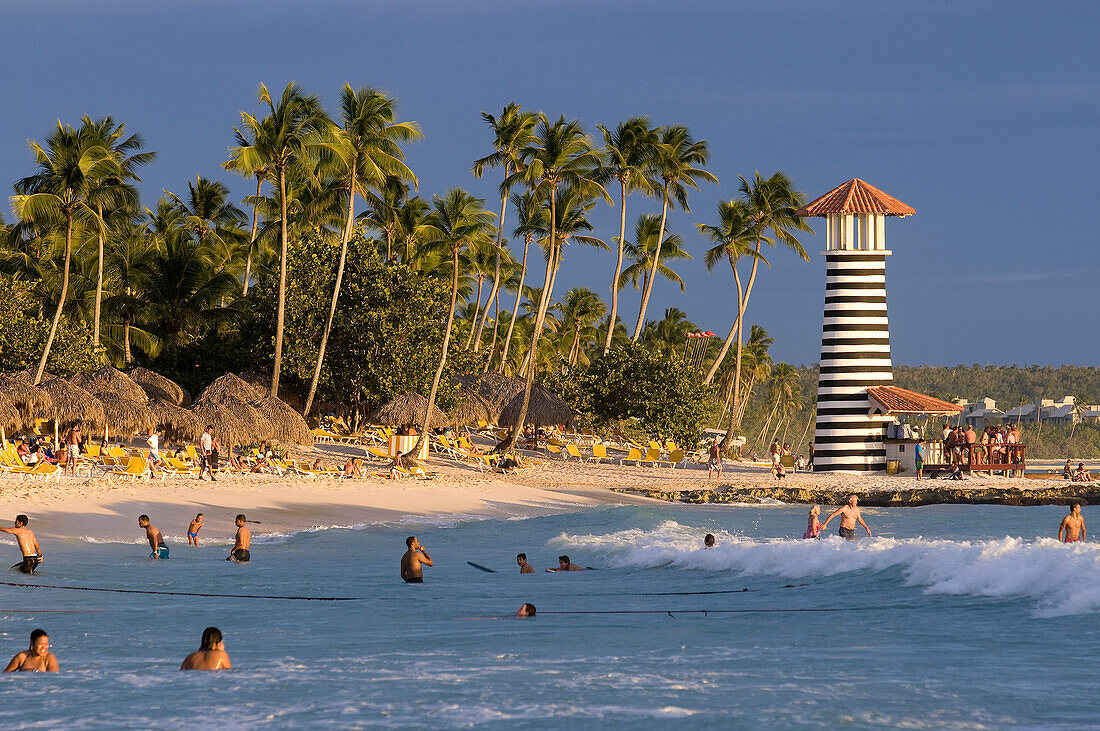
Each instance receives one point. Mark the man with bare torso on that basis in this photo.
(28, 545)
(1073, 525)
(412, 563)
(564, 564)
(850, 515)
(156, 540)
(72, 448)
(242, 542)
(524, 567)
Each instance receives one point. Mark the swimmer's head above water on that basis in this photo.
(527, 610)
(709, 541)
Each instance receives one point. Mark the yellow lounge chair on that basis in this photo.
(635, 456)
(572, 451)
(652, 455)
(137, 468)
(599, 452)
(675, 457)
(554, 449)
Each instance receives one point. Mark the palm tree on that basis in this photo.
(678, 163)
(629, 151)
(115, 190)
(560, 155)
(281, 141)
(131, 255)
(643, 249)
(458, 221)
(69, 166)
(411, 228)
(384, 209)
(479, 263)
(669, 334)
(757, 366)
(365, 150)
(531, 216)
(250, 166)
(512, 133)
(580, 309)
(213, 219)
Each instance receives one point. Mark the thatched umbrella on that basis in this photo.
(10, 420)
(261, 381)
(125, 416)
(287, 424)
(108, 380)
(472, 408)
(405, 410)
(178, 423)
(543, 409)
(228, 427)
(30, 400)
(157, 386)
(496, 388)
(230, 386)
(70, 403)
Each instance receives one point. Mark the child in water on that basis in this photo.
(813, 526)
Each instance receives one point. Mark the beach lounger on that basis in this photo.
(136, 468)
(554, 449)
(572, 451)
(179, 467)
(788, 462)
(635, 456)
(675, 457)
(599, 452)
(653, 455)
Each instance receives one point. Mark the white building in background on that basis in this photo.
(1047, 411)
(981, 413)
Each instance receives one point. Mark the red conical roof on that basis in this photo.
(855, 196)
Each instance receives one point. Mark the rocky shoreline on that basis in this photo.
(1086, 493)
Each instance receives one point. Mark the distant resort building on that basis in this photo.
(1066, 412)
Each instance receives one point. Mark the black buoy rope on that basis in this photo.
(673, 612)
(186, 593)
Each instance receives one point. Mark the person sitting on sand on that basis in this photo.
(37, 658)
(1073, 525)
(527, 610)
(849, 516)
(413, 562)
(1081, 474)
(156, 540)
(524, 567)
(211, 654)
(1067, 471)
(778, 470)
(242, 542)
(956, 473)
(193, 530)
(28, 544)
(564, 564)
(813, 525)
(709, 541)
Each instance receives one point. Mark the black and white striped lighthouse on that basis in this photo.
(855, 334)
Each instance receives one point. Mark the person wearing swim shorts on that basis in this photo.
(72, 448)
(156, 540)
(850, 515)
(1072, 528)
(193, 530)
(412, 563)
(36, 659)
(28, 544)
(242, 543)
(715, 461)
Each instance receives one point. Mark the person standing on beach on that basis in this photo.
(193, 530)
(242, 542)
(28, 544)
(715, 460)
(208, 450)
(156, 540)
(412, 563)
(1073, 525)
(524, 567)
(72, 448)
(918, 459)
(36, 659)
(850, 515)
(211, 654)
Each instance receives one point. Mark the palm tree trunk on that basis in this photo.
(618, 266)
(98, 282)
(743, 303)
(733, 330)
(442, 358)
(252, 239)
(495, 291)
(515, 310)
(335, 296)
(477, 309)
(281, 312)
(652, 271)
(61, 299)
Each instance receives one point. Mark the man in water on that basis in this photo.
(564, 564)
(28, 544)
(36, 659)
(1073, 525)
(156, 540)
(709, 541)
(413, 562)
(211, 654)
(715, 460)
(241, 543)
(527, 610)
(193, 530)
(850, 515)
(524, 567)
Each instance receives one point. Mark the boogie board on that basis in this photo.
(486, 569)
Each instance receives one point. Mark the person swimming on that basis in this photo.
(36, 659)
(709, 541)
(156, 540)
(242, 542)
(564, 564)
(193, 530)
(211, 654)
(527, 610)
(28, 545)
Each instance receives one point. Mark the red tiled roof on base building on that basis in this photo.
(894, 400)
(855, 196)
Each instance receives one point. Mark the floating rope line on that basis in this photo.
(673, 612)
(51, 611)
(186, 593)
(719, 591)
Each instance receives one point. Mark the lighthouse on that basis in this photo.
(855, 333)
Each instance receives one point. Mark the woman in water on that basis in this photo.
(211, 655)
(37, 659)
(813, 526)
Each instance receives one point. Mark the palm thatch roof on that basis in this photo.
(228, 427)
(109, 380)
(261, 381)
(125, 416)
(10, 418)
(30, 400)
(231, 386)
(544, 409)
(71, 403)
(496, 388)
(256, 424)
(471, 408)
(287, 425)
(405, 410)
(178, 423)
(157, 386)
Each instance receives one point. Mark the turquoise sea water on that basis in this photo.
(954, 616)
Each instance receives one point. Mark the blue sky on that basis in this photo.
(981, 115)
